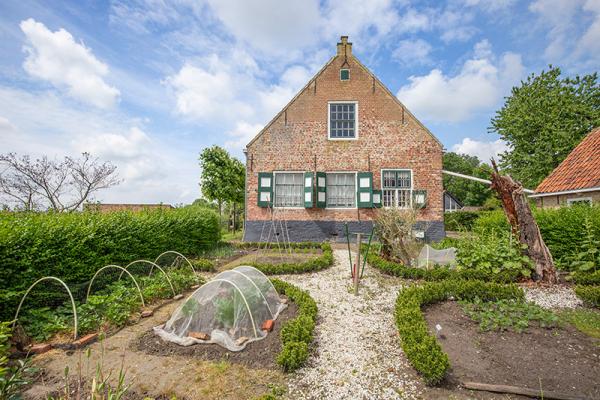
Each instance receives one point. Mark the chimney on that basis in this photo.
(343, 47)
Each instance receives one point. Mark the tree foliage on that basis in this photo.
(543, 120)
(470, 193)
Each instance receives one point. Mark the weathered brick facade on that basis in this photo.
(389, 137)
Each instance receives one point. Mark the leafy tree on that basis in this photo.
(470, 193)
(222, 179)
(543, 120)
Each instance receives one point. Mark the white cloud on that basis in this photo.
(153, 170)
(589, 44)
(413, 52)
(477, 87)
(6, 127)
(242, 134)
(491, 5)
(483, 150)
(272, 26)
(56, 57)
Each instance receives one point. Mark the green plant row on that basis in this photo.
(421, 348)
(323, 261)
(589, 294)
(439, 273)
(203, 264)
(73, 246)
(296, 334)
(109, 308)
(586, 278)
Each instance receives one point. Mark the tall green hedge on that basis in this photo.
(73, 246)
(460, 220)
(562, 228)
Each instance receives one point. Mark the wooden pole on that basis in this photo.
(521, 391)
(357, 265)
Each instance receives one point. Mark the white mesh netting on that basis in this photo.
(430, 257)
(228, 310)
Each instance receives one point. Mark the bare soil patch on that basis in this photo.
(564, 359)
(260, 354)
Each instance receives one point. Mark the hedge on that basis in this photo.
(73, 246)
(296, 334)
(586, 278)
(421, 348)
(275, 245)
(439, 273)
(562, 228)
(323, 261)
(460, 220)
(589, 294)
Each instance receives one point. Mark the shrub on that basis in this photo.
(460, 220)
(203, 264)
(323, 261)
(562, 229)
(421, 348)
(296, 334)
(439, 273)
(73, 246)
(589, 294)
(292, 356)
(586, 278)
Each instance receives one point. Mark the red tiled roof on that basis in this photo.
(580, 170)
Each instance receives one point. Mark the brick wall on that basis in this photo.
(389, 137)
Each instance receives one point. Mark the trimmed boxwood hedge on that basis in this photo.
(72, 246)
(296, 334)
(323, 261)
(421, 348)
(586, 278)
(589, 294)
(438, 273)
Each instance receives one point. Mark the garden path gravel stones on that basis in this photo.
(552, 297)
(357, 354)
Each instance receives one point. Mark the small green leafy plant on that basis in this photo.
(588, 257)
(508, 315)
(12, 377)
(589, 294)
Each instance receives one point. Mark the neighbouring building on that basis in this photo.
(576, 179)
(107, 207)
(342, 147)
(451, 203)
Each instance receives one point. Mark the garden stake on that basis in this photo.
(366, 253)
(356, 276)
(349, 251)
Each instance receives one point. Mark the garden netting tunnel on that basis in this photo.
(229, 310)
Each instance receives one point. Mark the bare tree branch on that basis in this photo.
(57, 185)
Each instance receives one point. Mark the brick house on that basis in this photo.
(341, 148)
(576, 179)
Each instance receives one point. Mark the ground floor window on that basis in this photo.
(341, 189)
(397, 188)
(289, 189)
(580, 201)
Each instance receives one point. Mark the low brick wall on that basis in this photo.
(317, 231)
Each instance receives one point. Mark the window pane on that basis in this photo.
(342, 120)
(289, 189)
(340, 189)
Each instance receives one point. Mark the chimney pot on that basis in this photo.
(344, 48)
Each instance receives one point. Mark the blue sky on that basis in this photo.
(148, 84)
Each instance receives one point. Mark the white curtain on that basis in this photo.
(289, 189)
(341, 189)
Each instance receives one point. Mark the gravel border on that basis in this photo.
(357, 354)
(551, 297)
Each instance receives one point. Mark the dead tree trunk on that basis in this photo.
(523, 225)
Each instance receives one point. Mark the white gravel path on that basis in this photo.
(357, 353)
(552, 297)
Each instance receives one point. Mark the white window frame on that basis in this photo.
(327, 190)
(275, 190)
(329, 103)
(578, 200)
(412, 185)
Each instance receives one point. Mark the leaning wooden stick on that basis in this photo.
(521, 391)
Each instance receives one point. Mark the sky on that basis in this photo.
(148, 84)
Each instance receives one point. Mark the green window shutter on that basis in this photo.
(419, 198)
(364, 189)
(308, 190)
(344, 74)
(377, 203)
(321, 189)
(265, 189)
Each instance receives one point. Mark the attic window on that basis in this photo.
(343, 120)
(344, 74)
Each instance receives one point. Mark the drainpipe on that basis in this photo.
(245, 195)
